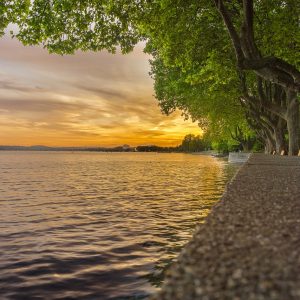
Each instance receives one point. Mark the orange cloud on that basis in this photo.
(89, 99)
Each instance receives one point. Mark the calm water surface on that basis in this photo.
(99, 225)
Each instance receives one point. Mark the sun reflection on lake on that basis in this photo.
(99, 225)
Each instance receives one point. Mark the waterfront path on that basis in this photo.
(249, 246)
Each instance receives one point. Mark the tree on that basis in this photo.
(192, 143)
(211, 98)
(268, 112)
(246, 140)
(266, 42)
(239, 22)
(263, 36)
(66, 26)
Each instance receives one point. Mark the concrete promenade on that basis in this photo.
(249, 246)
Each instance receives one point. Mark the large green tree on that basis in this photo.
(210, 98)
(263, 36)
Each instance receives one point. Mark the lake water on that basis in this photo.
(99, 225)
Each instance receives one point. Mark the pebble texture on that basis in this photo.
(249, 246)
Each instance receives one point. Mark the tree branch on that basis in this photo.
(231, 30)
(274, 69)
(248, 55)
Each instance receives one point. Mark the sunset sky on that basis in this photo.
(88, 99)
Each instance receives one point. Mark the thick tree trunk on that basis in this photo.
(248, 55)
(269, 146)
(292, 118)
(248, 143)
(279, 141)
(246, 147)
(279, 131)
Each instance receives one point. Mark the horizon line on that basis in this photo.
(123, 145)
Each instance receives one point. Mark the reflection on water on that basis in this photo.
(99, 225)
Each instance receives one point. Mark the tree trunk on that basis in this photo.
(245, 146)
(279, 140)
(292, 118)
(269, 143)
(269, 146)
(279, 136)
(248, 56)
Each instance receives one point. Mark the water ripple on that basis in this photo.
(99, 225)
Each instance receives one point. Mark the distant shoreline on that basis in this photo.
(93, 149)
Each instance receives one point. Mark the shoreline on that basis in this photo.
(248, 246)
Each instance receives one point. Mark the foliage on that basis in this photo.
(64, 26)
(181, 31)
(210, 97)
(224, 146)
(154, 148)
(278, 30)
(195, 45)
(192, 143)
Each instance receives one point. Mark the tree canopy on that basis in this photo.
(223, 63)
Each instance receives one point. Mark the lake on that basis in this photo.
(88, 225)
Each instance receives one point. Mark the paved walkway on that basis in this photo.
(249, 247)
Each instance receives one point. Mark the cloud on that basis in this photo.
(103, 92)
(85, 99)
(39, 105)
(9, 85)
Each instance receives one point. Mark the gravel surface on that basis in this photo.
(249, 246)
